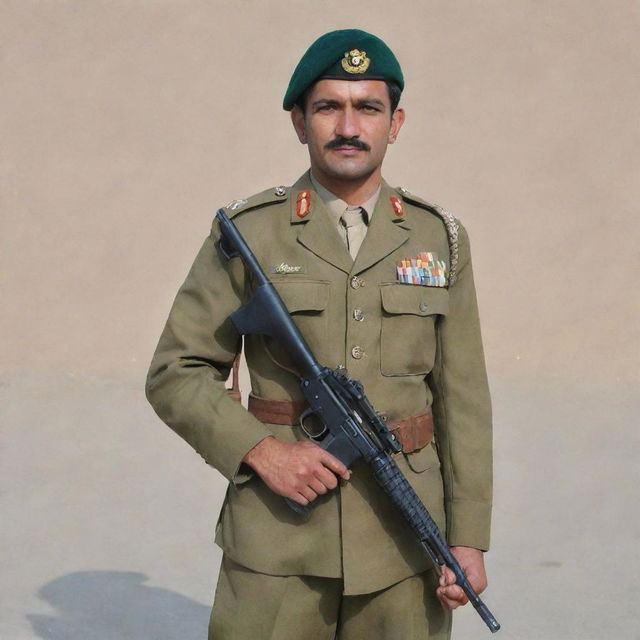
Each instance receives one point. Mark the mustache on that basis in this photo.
(351, 142)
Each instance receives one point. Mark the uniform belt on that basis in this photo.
(413, 432)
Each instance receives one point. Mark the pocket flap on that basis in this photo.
(423, 459)
(414, 299)
(303, 295)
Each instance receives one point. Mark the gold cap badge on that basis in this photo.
(355, 61)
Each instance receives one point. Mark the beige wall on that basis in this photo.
(126, 124)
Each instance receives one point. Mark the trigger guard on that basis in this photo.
(311, 436)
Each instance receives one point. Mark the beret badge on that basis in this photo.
(355, 61)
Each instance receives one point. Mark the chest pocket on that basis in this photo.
(307, 302)
(408, 333)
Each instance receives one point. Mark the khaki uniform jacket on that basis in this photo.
(419, 346)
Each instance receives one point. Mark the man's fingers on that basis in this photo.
(318, 486)
(336, 466)
(447, 577)
(300, 470)
(449, 593)
(455, 592)
(326, 477)
(452, 596)
(308, 493)
(448, 603)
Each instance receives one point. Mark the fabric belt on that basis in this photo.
(413, 432)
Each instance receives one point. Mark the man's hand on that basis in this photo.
(472, 562)
(300, 471)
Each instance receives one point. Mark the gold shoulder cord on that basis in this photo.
(452, 227)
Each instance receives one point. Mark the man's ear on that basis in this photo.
(297, 118)
(397, 120)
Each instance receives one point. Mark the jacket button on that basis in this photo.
(358, 315)
(357, 352)
(356, 282)
(423, 306)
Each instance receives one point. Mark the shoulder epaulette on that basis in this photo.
(269, 196)
(451, 224)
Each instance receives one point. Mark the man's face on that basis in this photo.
(347, 126)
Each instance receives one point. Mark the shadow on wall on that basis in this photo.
(104, 605)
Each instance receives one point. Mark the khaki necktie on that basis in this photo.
(354, 222)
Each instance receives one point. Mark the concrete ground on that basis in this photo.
(108, 516)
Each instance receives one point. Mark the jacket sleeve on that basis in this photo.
(185, 383)
(462, 409)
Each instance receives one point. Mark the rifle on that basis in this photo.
(351, 428)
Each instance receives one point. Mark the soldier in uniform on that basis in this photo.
(379, 282)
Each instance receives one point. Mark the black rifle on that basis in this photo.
(351, 428)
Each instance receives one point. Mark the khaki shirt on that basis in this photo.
(336, 208)
(416, 346)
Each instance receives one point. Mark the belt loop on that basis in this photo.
(234, 392)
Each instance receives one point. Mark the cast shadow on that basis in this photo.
(116, 605)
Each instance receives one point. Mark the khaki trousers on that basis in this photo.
(256, 606)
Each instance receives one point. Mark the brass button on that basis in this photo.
(280, 191)
(357, 352)
(357, 282)
(358, 315)
(423, 306)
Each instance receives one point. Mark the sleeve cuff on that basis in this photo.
(244, 472)
(468, 524)
(232, 467)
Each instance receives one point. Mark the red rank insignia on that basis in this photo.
(303, 204)
(396, 203)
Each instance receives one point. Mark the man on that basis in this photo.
(379, 282)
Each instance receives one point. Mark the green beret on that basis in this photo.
(348, 54)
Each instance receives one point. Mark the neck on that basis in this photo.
(353, 191)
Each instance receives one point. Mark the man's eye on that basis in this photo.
(325, 107)
(370, 108)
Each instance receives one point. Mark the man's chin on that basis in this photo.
(347, 173)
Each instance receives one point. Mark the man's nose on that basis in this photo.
(347, 125)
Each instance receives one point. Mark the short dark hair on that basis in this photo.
(394, 94)
(393, 90)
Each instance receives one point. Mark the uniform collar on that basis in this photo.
(306, 199)
(388, 229)
(336, 206)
